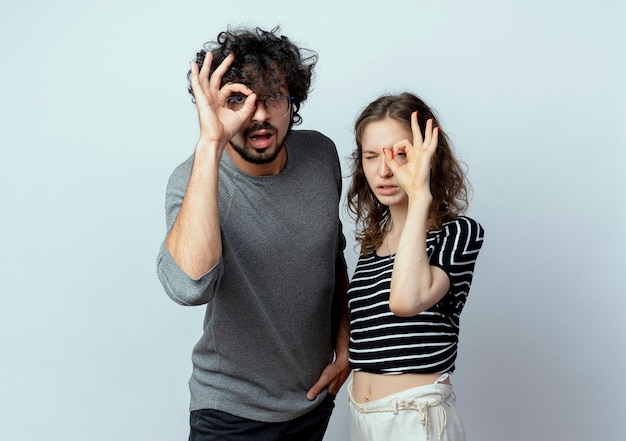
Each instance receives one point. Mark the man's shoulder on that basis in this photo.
(309, 138)
(184, 167)
(180, 174)
(312, 144)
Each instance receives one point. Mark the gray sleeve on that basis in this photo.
(340, 263)
(177, 284)
(183, 289)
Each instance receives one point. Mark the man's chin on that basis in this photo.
(260, 156)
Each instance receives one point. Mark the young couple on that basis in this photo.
(253, 233)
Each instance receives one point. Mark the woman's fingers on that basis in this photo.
(428, 130)
(429, 138)
(401, 149)
(435, 138)
(415, 128)
(390, 159)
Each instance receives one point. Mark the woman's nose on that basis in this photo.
(383, 168)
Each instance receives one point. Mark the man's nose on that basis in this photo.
(260, 112)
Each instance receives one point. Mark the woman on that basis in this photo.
(418, 251)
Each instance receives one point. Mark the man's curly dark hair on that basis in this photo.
(262, 54)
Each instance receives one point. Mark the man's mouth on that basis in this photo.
(261, 137)
(261, 140)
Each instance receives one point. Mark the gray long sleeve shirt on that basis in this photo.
(267, 329)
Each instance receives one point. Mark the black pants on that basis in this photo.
(214, 425)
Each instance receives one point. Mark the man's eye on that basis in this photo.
(236, 99)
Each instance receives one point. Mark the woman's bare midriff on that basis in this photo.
(368, 387)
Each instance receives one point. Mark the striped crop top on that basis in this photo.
(383, 343)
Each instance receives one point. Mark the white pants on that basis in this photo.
(417, 414)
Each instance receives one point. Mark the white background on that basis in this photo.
(94, 115)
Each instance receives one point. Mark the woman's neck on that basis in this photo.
(397, 219)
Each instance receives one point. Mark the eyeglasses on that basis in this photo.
(277, 104)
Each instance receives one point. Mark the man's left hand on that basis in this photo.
(333, 376)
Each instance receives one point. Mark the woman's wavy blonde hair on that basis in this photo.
(448, 184)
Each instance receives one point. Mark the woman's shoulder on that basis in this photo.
(463, 222)
(461, 228)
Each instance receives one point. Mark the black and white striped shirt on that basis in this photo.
(381, 342)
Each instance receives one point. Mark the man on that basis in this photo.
(254, 233)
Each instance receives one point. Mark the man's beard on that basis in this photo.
(255, 156)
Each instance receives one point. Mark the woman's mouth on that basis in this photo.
(386, 190)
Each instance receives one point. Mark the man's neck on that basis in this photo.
(250, 168)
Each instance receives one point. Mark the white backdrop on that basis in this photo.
(94, 115)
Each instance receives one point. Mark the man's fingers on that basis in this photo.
(220, 71)
(194, 73)
(205, 69)
(328, 379)
(316, 389)
(196, 87)
(232, 88)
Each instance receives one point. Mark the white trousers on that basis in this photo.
(424, 413)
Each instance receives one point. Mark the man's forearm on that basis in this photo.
(341, 316)
(194, 241)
